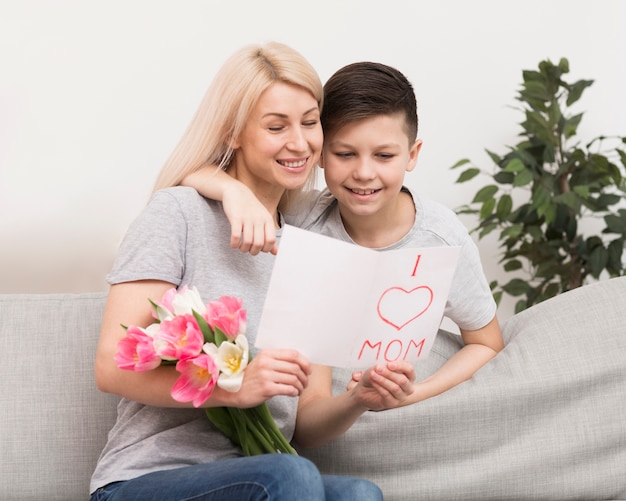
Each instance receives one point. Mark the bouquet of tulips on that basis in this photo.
(207, 343)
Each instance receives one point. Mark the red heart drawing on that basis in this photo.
(398, 307)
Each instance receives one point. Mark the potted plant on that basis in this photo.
(539, 192)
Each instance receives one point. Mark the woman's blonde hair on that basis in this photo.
(228, 102)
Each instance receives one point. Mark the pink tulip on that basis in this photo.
(178, 338)
(136, 351)
(228, 315)
(197, 380)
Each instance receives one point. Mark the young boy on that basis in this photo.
(370, 126)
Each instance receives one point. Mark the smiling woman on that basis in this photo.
(279, 144)
(259, 121)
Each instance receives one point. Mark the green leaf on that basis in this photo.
(512, 231)
(576, 90)
(516, 287)
(220, 336)
(513, 265)
(615, 250)
(539, 126)
(495, 157)
(515, 165)
(523, 178)
(504, 177)
(536, 232)
(570, 199)
(505, 205)
(571, 125)
(552, 290)
(546, 269)
(486, 229)
(463, 161)
(598, 261)
(593, 243)
(606, 200)
(485, 193)
(554, 114)
(465, 209)
(487, 208)
(468, 174)
(532, 76)
(204, 327)
(521, 305)
(534, 89)
(615, 224)
(540, 197)
(582, 191)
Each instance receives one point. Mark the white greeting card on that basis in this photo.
(344, 305)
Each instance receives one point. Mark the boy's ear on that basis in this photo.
(321, 160)
(414, 152)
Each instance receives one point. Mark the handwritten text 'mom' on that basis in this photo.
(396, 349)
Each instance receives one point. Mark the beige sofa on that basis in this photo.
(546, 419)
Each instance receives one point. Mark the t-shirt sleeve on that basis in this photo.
(470, 303)
(153, 247)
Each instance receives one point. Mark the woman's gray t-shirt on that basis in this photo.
(182, 238)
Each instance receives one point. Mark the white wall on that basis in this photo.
(94, 95)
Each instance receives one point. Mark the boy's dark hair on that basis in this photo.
(365, 90)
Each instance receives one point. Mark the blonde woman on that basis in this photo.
(260, 120)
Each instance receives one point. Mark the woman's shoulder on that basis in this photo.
(180, 194)
(182, 198)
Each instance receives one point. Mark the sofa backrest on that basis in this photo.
(543, 420)
(53, 420)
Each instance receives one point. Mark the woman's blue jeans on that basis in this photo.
(269, 477)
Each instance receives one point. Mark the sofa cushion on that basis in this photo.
(53, 420)
(543, 420)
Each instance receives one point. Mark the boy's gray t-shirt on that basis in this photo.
(470, 302)
(182, 238)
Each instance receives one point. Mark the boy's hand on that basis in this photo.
(383, 386)
(252, 226)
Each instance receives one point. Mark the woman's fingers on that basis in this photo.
(279, 370)
(253, 234)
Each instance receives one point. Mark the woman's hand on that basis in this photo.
(383, 386)
(271, 373)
